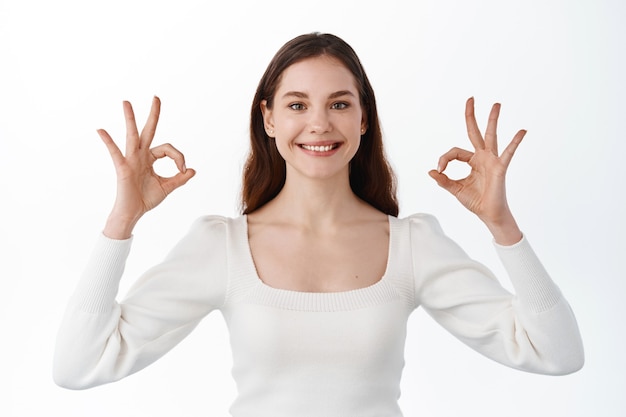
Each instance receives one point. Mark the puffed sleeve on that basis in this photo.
(533, 330)
(101, 340)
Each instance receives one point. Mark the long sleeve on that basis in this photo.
(101, 340)
(533, 330)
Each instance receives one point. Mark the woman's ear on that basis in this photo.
(268, 120)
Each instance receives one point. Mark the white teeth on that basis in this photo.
(324, 148)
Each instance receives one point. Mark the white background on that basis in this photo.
(65, 67)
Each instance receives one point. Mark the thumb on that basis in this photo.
(444, 182)
(178, 180)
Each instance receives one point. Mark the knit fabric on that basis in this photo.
(312, 354)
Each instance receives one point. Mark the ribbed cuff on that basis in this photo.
(533, 286)
(99, 283)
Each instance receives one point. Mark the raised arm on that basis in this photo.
(533, 329)
(102, 340)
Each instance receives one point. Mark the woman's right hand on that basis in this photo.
(139, 188)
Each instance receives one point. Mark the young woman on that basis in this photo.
(316, 280)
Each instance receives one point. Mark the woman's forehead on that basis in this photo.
(317, 75)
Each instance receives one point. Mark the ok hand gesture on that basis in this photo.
(139, 188)
(483, 191)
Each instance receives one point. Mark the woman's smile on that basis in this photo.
(320, 149)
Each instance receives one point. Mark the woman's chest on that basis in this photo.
(310, 263)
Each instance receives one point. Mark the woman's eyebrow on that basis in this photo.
(297, 94)
(341, 93)
(300, 94)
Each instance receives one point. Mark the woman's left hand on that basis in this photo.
(483, 191)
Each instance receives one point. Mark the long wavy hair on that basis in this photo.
(371, 176)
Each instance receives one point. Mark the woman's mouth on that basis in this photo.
(319, 148)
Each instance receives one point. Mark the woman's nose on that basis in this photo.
(319, 122)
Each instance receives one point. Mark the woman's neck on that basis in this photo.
(315, 203)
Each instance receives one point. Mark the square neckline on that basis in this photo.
(381, 281)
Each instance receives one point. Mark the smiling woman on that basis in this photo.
(371, 178)
(318, 278)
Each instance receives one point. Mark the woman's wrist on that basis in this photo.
(505, 232)
(119, 228)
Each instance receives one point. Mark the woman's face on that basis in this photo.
(316, 120)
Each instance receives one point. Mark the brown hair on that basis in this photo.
(371, 176)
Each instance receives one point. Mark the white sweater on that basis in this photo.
(312, 354)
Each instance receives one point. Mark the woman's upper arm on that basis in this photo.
(101, 340)
(533, 329)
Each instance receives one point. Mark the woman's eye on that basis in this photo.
(296, 106)
(340, 106)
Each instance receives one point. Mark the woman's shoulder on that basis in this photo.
(425, 231)
(420, 221)
(216, 226)
(428, 238)
(208, 220)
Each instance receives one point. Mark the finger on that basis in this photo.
(472, 127)
(509, 151)
(454, 154)
(444, 182)
(171, 152)
(112, 147)
(132, 137)
(148, 131)
(491, 135)
(178, 180)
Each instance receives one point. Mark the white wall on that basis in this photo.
(557, 66)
